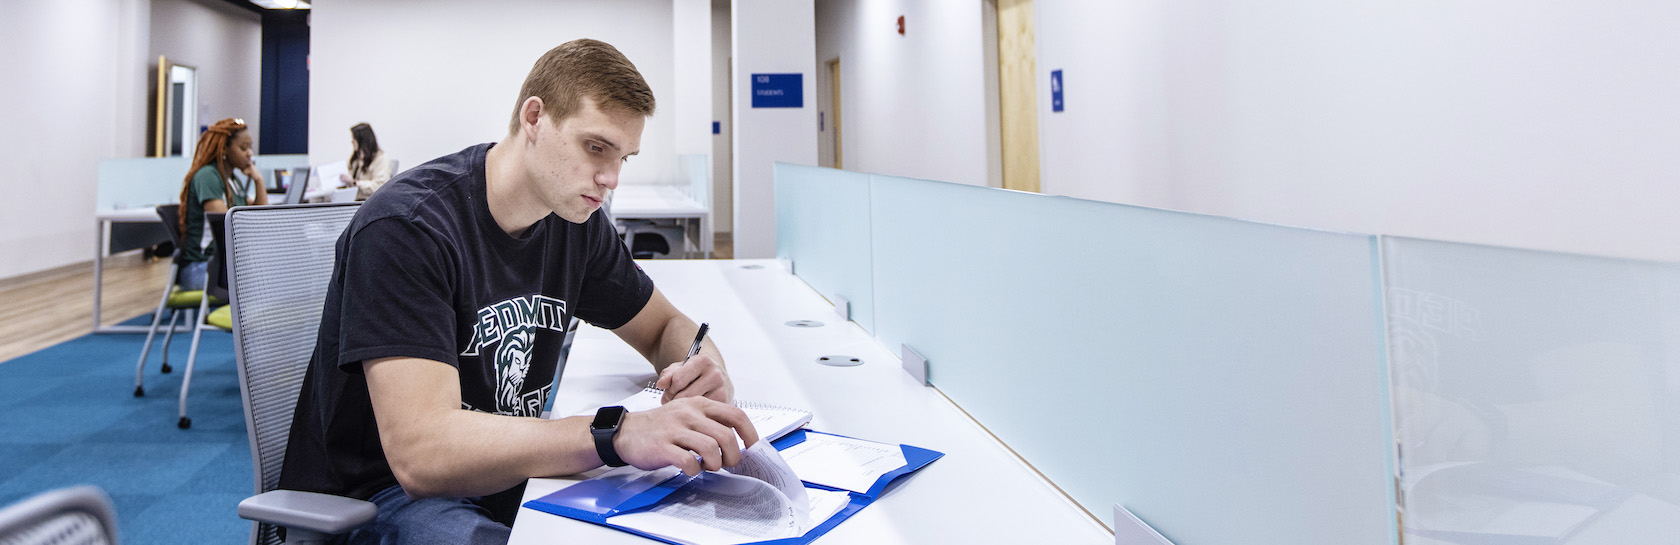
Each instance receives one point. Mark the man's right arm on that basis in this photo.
(437, 449)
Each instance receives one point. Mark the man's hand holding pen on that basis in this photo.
(697, 375)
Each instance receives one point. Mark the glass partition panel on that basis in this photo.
(695, 172)
(1222, 379)
(822, 226)
(151, 181)
(1537, 395)
(141, 182)
(277, 169)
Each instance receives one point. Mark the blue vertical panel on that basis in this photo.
(1055, 90)
(285, 83)
(1537, 395)
(822, 226)
(1223, 380)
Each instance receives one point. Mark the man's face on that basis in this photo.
(576, 163)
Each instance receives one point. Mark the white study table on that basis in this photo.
(979, 492)
(664, 202)
(103, 221)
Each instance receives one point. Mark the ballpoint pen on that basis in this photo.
(692, 350)
(695, 348)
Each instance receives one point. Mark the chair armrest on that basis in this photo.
(315, 512)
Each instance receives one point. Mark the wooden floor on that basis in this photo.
(55, 310)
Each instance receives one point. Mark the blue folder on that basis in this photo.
(599, 499)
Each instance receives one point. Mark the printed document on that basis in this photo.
(843, 462)
(755, 500)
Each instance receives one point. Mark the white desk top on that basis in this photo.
(655, 201)
(129, 215)
(978, 493)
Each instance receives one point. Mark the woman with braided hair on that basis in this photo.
(211, 187)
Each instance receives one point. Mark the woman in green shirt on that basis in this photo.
(211, 187)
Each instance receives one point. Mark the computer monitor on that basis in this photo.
(297, 184)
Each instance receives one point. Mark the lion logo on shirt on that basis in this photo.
(513, 360)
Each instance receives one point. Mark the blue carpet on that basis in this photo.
(68, 416)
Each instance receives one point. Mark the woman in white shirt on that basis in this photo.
(368, 166)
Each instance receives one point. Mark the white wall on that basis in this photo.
(771, 37)
(723, 156)
(224, 43)
(912, 105)
(691, 66)
(1546, 126)
(76, 93)
(433, 78)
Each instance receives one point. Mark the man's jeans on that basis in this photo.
(439, 521)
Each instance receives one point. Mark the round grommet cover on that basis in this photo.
(840, 361)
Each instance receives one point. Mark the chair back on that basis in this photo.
(171, 214)
(216, 284)
(69, 516)
(280, 262)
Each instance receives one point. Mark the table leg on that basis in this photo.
(102, 238)
(706, 236)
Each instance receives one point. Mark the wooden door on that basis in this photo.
(1017, 95)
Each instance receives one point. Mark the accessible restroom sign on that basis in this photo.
(778, 90)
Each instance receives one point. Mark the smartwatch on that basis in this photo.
(604, 428)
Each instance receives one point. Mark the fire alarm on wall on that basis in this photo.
(901, 25)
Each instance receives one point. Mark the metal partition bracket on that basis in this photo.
(915, 364)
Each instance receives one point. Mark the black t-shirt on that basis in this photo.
(424, 271)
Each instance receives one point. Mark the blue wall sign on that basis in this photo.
(1055, 90)
(778, 90)
(717, 127)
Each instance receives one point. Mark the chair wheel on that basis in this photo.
(184, 423)
(139, 391)
(167, 368)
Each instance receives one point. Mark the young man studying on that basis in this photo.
(450, 298)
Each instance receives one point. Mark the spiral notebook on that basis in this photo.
(771, 421)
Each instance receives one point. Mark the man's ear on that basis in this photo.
(530, 113)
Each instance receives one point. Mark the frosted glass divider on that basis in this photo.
(695, 171)
(151, 181)
(268, 163)
(1222, 379)
(1537, 394)
(140, 182)
(822, 226)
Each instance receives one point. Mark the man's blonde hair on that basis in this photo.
(567, 74)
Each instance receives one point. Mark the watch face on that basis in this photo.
(607, 418)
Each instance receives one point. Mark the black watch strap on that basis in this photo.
(604, 428)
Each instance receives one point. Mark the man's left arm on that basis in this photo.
(663, 335)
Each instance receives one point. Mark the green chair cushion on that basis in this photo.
(180, 298)
(222, 317)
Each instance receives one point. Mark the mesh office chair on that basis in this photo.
(68, 516)
(280, 264)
